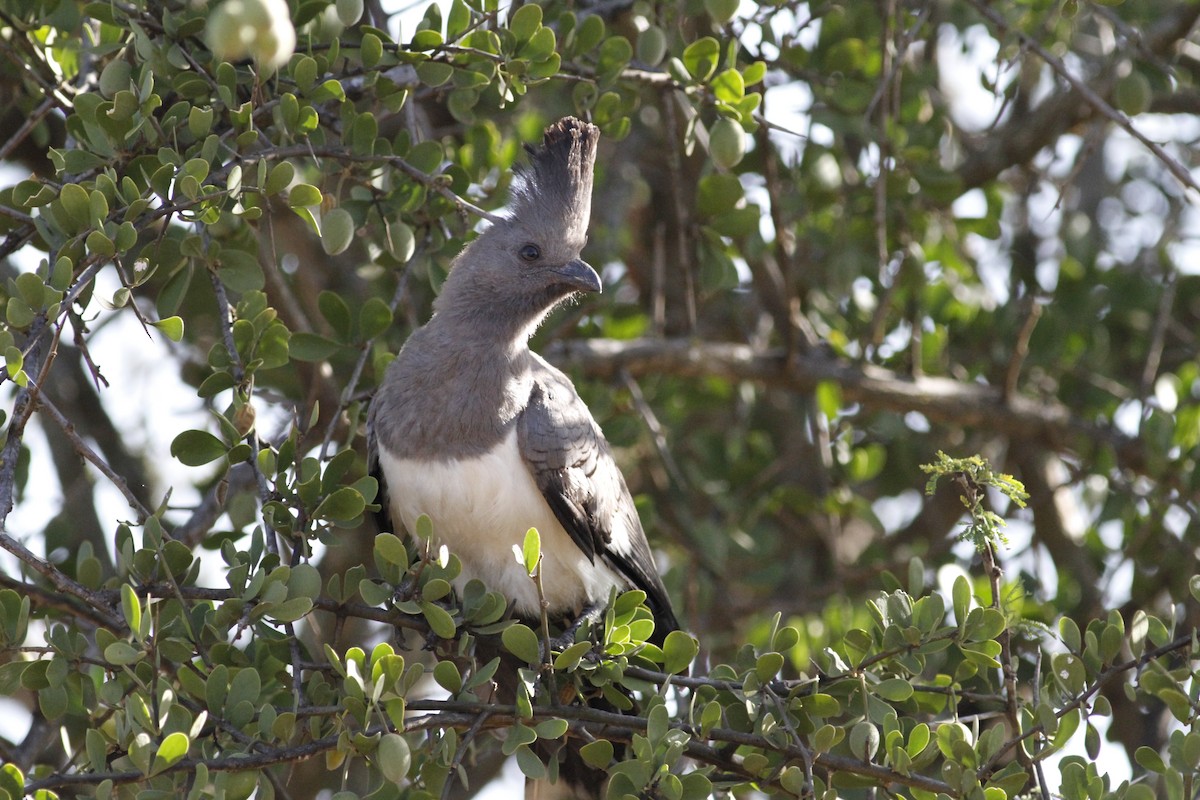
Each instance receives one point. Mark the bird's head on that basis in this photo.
(525, 264)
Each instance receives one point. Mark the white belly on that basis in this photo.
(480, 507)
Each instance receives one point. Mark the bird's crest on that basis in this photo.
(558, 178)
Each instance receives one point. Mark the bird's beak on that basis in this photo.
(579, 274)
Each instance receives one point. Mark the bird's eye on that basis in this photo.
(530, 252)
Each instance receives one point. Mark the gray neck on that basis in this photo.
(454, 389)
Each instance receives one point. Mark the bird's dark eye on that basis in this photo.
(530, 252)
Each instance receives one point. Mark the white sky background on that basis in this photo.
(152, 405)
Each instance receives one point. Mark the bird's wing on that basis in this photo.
(574, 469)
(383, 517)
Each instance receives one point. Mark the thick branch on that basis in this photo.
(1020, 139)
(939, 399)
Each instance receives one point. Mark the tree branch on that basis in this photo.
(940, 399)
(1022, 137)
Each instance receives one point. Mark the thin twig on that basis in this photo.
(464, 744)
(991, 567)
(62, 583)
(90, 455)
(657, 434)
(1012, 375)
(675, 165)
(1088, 94)
(351, 387)
(225, 315)
(1158, 333)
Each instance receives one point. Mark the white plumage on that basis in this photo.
(482, 506)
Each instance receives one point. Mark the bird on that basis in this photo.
(472, 428)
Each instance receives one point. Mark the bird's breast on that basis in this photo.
(480, 507)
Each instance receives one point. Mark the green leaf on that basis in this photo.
(99, 244)
(77, 205)
(336, 312)
(531, 551)
(401, 241)
(458, 19)
(541, 45)
(393, 757)
(598, 754)
(374, 594)
(14, 360)
(391, 549)
(349, 12)
(426, 156)
(337, 231)
(12, 781)
(768, 665)
(305, 73)
(894, 690)
(374, 319)
(244, 687)
(426, 40)
(962, 599)
(864, 740)
(522, 642)
(525, 21)
(304, 195)
(570, 658)
(343, 505)
(821, 705)
(1150, 759)
(196, 448)
(279, 178)
(18, 313)
(727, 143)
(652, 46)
(614, 56)
(721, 11)
(551, 728)
(729, 86)
(719, 193)
(589, 34)
(531, 766)
(440, 621)
(434, 73)
(447, 676)
(97, 750)
(290, 610)
(435, 589)
(123, 654)
(701, 57)
(679, 649)
(171, 751)
(131, 608)
(304, 346)
(371, 50)
(172, 327)
(1067, 725)
(983, 624)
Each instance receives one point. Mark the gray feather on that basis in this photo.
(574, 468)
(466, 382)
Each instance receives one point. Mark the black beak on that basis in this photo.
(578, 274)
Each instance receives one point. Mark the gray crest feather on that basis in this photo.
(558, 179)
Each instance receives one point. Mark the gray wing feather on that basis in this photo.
(573, 467)
(383, 517)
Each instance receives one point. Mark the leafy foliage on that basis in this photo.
(259, 199)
